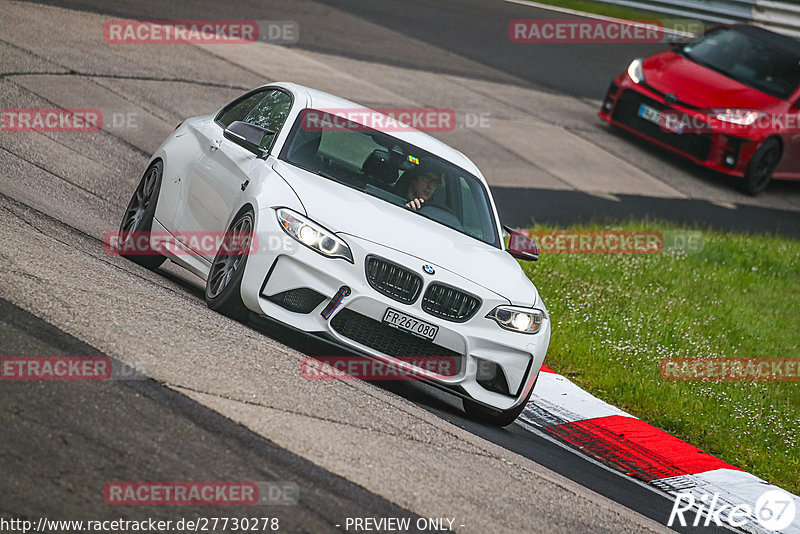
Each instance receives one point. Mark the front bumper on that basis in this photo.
(726, 149)
(281, 265)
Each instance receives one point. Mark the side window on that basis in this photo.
(238, 109)
(270, 113)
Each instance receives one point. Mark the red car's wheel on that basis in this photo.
(759, 171)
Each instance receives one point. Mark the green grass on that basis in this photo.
(616, 316)
(614, 11)
(600, 8)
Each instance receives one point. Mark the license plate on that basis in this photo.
(668, 122)
(401, 321)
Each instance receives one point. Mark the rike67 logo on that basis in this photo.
(774, 510)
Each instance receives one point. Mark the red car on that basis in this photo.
(727, 100)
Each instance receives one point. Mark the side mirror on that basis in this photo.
(521, 246)
(248, 136)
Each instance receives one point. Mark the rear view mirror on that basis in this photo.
(521, 246)
(248, 136)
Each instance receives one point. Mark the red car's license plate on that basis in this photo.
(668, 122)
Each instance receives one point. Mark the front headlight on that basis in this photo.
(635, 71)
(743, 117)
(313, 235)
(524, 320)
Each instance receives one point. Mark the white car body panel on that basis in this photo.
(202, 190)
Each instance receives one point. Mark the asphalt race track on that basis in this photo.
(218, 400)
(62, 438)
(471, 31)
(469, 38)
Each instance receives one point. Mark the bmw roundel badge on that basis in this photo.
(428, 269)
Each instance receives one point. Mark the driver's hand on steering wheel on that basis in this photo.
(415, 204)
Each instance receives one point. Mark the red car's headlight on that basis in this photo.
(635, 71)
(743, 117)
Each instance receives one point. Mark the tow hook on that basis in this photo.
(335, 301)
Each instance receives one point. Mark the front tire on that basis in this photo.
(224, 282)
(134, 231)
(761, 166)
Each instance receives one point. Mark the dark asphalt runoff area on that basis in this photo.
(62, 441)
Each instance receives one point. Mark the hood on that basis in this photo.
(700, 86)
(347, 211)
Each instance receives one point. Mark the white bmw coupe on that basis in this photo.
(384, 241)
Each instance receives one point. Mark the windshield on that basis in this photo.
(754, 57)
(392, 170)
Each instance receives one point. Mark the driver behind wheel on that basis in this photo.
(421, 187)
